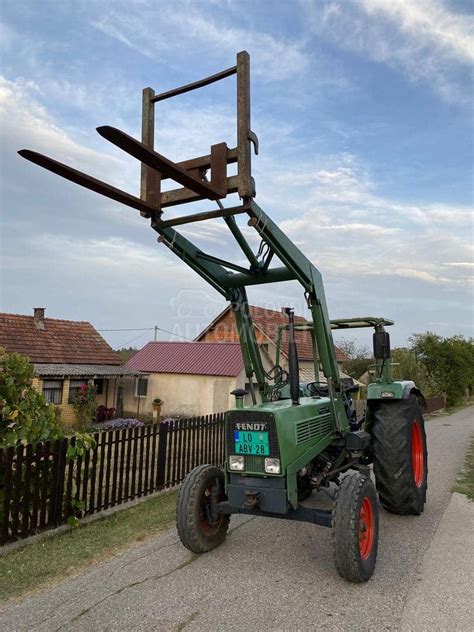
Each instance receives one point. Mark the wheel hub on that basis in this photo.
(417, 455)
(366, 528)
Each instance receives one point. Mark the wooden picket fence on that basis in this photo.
(434, 404)
(42, 488)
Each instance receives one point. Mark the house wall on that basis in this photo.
(66, 410)
(68, 415)
(37, 384)
(183, 394)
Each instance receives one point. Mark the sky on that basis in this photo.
(363, 112)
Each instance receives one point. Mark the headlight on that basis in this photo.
(272, 466)
(387, 394)
(236, 462)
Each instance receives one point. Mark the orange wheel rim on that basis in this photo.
(417, 454)
(366, 528)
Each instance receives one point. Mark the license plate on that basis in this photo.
(251, 442)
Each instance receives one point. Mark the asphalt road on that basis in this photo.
(269, 575)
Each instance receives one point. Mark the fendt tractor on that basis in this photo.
(284, 440)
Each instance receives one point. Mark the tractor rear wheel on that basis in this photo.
(400, 456)
(355, 528)
(199, 527)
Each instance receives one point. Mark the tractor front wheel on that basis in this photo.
(200, 528)
(355, 528)
(400, 455)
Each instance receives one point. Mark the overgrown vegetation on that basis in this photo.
(25, 415)
(465, 482)
(47, 562)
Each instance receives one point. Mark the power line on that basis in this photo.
(145, 329)
(132, 340)
(129, 329)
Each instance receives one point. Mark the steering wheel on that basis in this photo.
(316, 389)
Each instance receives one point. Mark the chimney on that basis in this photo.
(38, 316)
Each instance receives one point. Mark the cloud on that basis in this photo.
(27, 123)
(426, 40)
(372, 235)
(448, 33)
(193, 27)
(460, 264)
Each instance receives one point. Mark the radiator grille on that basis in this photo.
(311, 428)
(253, 464)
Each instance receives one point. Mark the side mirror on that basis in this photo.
(381, 345)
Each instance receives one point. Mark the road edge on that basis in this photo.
(443, 596)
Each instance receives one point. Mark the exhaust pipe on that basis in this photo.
(293, 363)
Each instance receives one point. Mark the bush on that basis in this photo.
(118, 424)
(85, 406)
(25, 415)
(409, 368)
(449, 363)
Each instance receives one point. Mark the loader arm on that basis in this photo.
(228, 278)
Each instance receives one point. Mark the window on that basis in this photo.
(74, 390)
(141, 386)
(53, 391)
(99, 386)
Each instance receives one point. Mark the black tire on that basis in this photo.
(304, 488)
(196, 530)
(400, 456)
(355, 528)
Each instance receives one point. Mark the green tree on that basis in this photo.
(126, 353)
(360, 357)
(409, 368)
(25, 415)
(449, 363)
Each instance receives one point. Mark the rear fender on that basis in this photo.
(398, 389)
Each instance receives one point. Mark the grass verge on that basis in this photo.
(46, 562)
(465, 482)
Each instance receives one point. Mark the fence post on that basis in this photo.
(162, 444)
(7, 463)
(59, 467)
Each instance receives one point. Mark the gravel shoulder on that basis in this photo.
(271, 574)
(443, 599)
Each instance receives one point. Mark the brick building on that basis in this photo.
(266, 323)
(65, 355)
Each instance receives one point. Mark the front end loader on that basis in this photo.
(293, 438)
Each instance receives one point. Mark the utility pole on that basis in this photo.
(156, 333)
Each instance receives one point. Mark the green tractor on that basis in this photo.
(292, 439)
(307, 437)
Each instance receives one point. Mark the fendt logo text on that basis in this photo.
(257, 427)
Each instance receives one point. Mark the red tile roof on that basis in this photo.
(195, 358)
(61, 341)
(268, 321)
